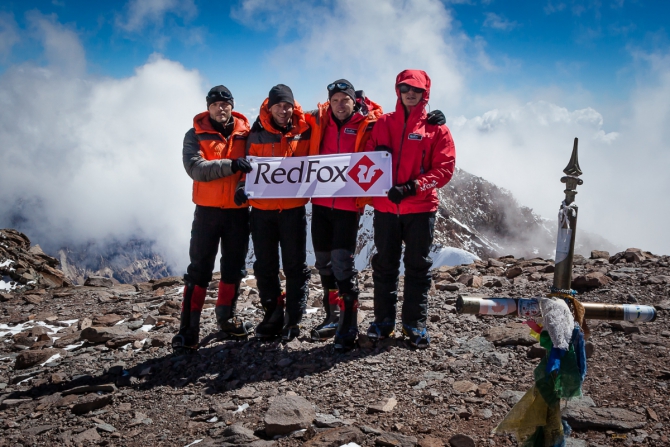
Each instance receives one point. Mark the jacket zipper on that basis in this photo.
(332, 206)
(397, 169)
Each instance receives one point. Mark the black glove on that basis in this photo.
(436, 117)
(240, 164)
(384, 148)
(399, 192)
(240, 197)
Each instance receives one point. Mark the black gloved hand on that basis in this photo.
(400, 192)
(384, 148)
(436, 117)
(240, 164)
(240, 197)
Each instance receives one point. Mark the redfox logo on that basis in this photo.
(365, 173)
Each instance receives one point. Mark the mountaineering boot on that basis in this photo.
(188, 336)
(418, 338)
(347, 327)
(381, 330)
(327, 329)
(225, 311)
(273, 320)
(291, 327)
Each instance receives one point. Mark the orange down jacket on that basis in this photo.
(207, 157)
(266, 141)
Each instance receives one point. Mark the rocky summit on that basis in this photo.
(92, 365)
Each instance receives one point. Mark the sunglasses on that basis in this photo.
(339, 86)
(404, 88)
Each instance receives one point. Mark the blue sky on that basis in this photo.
(518, 81)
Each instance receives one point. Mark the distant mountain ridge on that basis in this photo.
(475, 219)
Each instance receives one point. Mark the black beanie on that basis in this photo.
(219, 93)
(348, 90)
(280, 93)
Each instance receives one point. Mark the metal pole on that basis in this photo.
(530, 308)
(565, 243)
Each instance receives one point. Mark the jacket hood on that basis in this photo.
(201, 123)
(298, 119)
(415, 78)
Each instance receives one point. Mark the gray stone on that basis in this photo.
(512, 334)
(461, 440)
(27, 359)
(336, 437)
(511, 396)
(583, 402)
(587, 418)
(396, 439)
(497, 358)
(329, 421)
(38, 430)
(238, 434)
(287, 414)
(106, 428)
(477, 345)
(91, 402)
(87, 437)
(573, 442)
(98, 281)
(383, 406)
(108, 388)
(95, 334)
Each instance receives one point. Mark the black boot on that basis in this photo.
(331, 299)
(225, 311)
(347, 327)
(189, 326)
(291, 328)
(273, 321)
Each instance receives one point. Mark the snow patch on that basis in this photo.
(450, 256)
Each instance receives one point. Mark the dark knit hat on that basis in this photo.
(219, 93)
(280, 93)
(342, 86)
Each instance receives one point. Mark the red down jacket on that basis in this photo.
(421, 151)
(351, 137)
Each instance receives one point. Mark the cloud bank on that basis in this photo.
(89, 158)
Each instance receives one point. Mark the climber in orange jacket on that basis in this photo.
(213, 157)
(281, 130)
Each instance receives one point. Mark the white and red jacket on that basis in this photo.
(421, 151)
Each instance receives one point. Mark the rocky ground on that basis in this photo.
(91, 365)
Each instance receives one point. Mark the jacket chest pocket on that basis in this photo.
(216, 149)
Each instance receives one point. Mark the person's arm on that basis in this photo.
(442, 163)
(197, 167)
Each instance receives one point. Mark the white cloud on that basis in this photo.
(62, 47)
(142, 13)
(9, 35)
(368, 43)
(498, 22)
(88, 158)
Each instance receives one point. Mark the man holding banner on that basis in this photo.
(280, 131)
(341, 125)
(213, 157)
(423, 158)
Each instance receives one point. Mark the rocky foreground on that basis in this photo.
(91, 365)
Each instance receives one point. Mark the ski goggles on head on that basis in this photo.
(220, 96)
(339, 86)
(404, 88)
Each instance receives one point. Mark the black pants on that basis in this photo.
(334, 234)
(416, 231)
(211, 226)
(272, 230)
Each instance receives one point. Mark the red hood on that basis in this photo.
(415, 78)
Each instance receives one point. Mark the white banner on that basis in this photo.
(363, 174)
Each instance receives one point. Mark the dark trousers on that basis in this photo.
(334, 236)
(286, 230)
(416, 231)
(211, 227)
